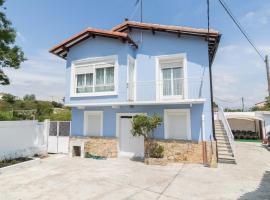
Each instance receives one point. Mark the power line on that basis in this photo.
(229, 12)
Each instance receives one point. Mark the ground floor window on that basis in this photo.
(177, 124)
(93, 123)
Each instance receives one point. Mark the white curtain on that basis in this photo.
(109, 79)
(80, 83)
(177, 81)
(172, 81)
(89, 83)
(167, 89)
(99, 80)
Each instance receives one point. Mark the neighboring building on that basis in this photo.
(135, 68)
(260, 104)
(247, 125)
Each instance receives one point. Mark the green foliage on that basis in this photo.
(143, 125)
(28, 109)
(232, 110)
(156, 151)
(57, 105)
(266, 106)
(9, 98)
(6, 116)
(10, 54)
(64, 115)
(29, 97)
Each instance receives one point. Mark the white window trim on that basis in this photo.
(159, 90)
(166, 121)
(135, 77)
(86, 114)
(87, 61)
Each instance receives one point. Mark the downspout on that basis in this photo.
(210, 75)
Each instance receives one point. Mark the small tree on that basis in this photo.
(143, 125)
(29, 97)
(9, 98)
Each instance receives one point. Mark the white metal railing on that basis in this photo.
(164, 89)
(223, 119)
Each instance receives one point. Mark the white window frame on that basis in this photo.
(86, 114)
(180, 111)
(131, 59)
(89, 61)
(159, 77)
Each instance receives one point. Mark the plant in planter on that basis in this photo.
(143, 125)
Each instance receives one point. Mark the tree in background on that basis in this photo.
(29, 97)
(57, 105)
(9, 98)
(10, 54)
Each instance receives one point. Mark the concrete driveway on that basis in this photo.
(61, 177)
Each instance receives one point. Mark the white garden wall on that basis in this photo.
(23, 138)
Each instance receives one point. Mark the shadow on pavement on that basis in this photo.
(262, 192)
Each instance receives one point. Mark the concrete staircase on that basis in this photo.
(225, 153)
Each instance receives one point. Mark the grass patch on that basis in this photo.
(245, 140)
(8, 162)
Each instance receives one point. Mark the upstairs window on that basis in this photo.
(84, 83)
(172, 79)
(94, 78)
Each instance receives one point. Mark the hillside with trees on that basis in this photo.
(29, 108)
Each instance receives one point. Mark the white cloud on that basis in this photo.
(239, 72)
(258, 17)
(42, 74)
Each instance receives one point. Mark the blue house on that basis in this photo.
(139, 68)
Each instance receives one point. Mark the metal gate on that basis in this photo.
(58, 139)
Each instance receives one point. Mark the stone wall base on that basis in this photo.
(184, 150)
(98, 146)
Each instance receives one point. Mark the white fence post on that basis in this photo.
(46, 132)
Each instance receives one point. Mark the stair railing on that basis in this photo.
(223, 119)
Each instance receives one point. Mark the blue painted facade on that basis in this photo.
(152, 46)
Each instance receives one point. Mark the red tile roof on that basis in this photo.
(121, 32)
(158, 27)
(62, 48)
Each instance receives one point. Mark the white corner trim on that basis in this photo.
(86, 114)
(182, 56)
(92, 60)
(185, 111)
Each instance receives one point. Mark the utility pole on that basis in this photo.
(243, 105)
(267, 73)
(141, 11)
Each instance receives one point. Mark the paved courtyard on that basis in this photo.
(61, 178)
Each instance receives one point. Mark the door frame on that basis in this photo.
(118, 118)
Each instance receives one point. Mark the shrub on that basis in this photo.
(6, 116)
(156, 151)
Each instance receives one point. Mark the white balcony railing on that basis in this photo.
(180, 88)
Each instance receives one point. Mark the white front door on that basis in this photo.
(129, 145)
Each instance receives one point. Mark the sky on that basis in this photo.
(237, 70)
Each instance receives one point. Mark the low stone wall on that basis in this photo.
(99, 146)
(183, 150)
